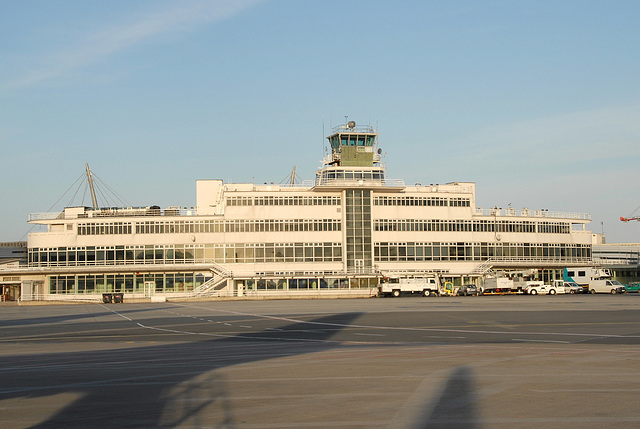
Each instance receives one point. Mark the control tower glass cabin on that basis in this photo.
(354, 158)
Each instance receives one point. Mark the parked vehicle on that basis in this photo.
(633, 287)
(467, 290)
(573, 288)
(563, 286)
(398, 285)
(596, 280)
(606, 286)
(498, 286)
(535, 287)
(538, 287)
(584, 275)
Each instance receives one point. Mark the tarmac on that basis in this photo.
(447, 362)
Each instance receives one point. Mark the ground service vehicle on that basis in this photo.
(562, 286)
(570, 287)
(397, 286)
(498, 286)
(539, 288)
(596, 280)
(465, 290)
(606, 286)
(584, 275)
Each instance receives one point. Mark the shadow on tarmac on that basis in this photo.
(453, 407)
(456, 406)
(157, 386)
(67, 317)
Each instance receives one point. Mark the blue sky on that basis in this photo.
(538, 103)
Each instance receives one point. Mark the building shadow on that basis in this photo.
(454, 407)
(154, 386)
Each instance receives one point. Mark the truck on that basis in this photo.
(539, 287)
(584, 275)
(499, 286)
(594, 279)
(396, 286)
(536, 287)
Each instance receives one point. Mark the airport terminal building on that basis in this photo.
(339, 233)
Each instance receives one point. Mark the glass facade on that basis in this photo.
(148, 284)
(297, 284)
(533, 252)
(232, 253)
(358, 217)
(157, 283)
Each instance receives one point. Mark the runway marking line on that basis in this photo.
(586, 337)
(390, 328)
(210, 334)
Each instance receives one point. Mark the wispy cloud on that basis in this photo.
(110, 40)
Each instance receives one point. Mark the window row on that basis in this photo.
(186, 227)
(421, 201)
(346, 175)
(554, 228)
(351, 140)
(105, 228)
(459, 202)
(386, 252)
(186, 254)
(306, 284)
(430, 225)
(241, 225)
(147, 284)
(284, 201)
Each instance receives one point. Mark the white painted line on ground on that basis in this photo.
(391, 328)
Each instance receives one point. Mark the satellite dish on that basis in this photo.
(379, 151)
(351, 124)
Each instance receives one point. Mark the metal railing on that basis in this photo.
(607, 261)
(483, 268)
(350, 183)
(215, 284)
(71, 297)
(362, 129)
(497, 211)
(113, 212)
(542, 260)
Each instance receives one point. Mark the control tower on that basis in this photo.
(354, 159)
(353, 145)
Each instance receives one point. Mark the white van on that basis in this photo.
(606, 286)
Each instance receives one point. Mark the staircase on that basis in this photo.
(483, 268)
(215, 284)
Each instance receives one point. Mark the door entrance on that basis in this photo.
(9, 292)
(149, 289)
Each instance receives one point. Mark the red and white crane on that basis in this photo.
(632, 216)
